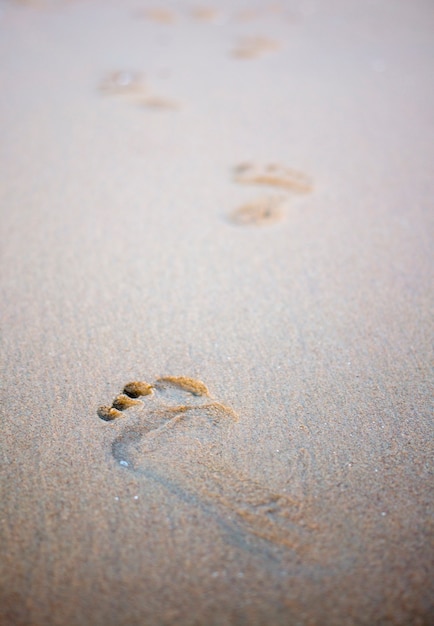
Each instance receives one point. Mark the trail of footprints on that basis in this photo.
(131, 85)
(174, 432)
(260, 210)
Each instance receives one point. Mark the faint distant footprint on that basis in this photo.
(131, 86)
(266, 210)
(249, 14)
(179, 436)
(253, 47)
(258, 212)
(273, 175)
(204, 13)
(157, 14)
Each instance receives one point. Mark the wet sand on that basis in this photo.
(231, 203)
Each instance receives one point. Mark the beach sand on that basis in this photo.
(236, 194)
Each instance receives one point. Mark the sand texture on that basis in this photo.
(217, 313)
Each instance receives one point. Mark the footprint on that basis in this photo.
(247, 15)
(267, 210)
(274, 176)
(258, 212)
(204, 13)
(157, 14)
(253, 47)
(181, 437)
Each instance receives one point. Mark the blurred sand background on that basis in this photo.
(121, 123)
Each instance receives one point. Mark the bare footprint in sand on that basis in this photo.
(180, 437)
(267, 210)
(250, 14)
(259, 212)
(157, 14)
(254, 47)
(273, 175)
(204, 13)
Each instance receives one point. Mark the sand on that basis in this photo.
(237, 195)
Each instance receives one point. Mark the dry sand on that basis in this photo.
(239, 194)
